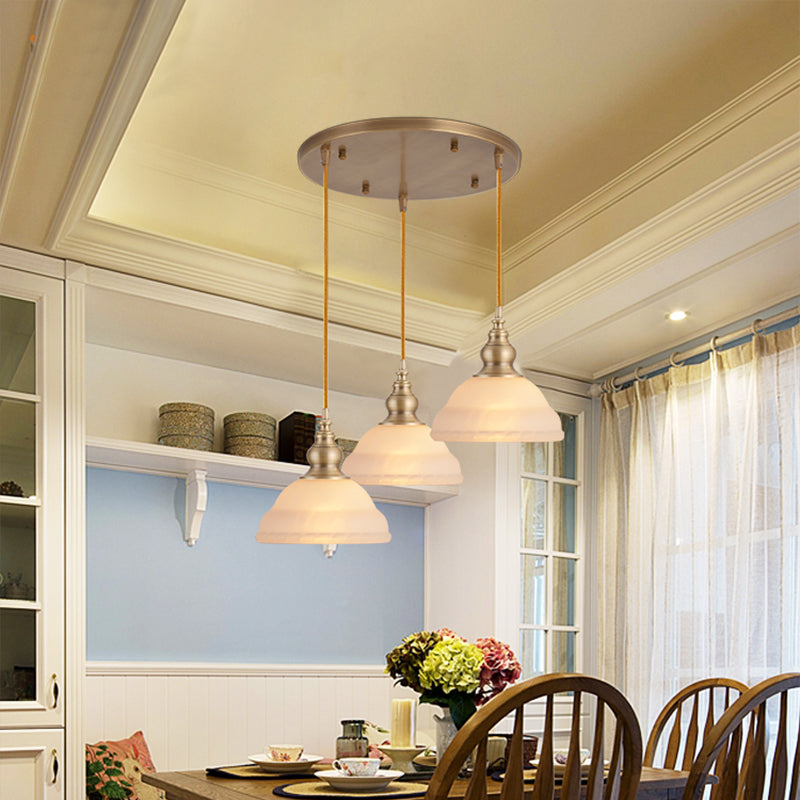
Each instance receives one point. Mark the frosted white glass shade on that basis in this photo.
(323, 511)
(497, 409)
(402, 455)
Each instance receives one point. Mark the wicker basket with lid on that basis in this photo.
(186, 425)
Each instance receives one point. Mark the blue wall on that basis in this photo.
(150, 597)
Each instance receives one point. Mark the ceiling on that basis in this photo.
(660, 166)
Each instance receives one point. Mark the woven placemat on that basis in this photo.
(251, 771)
(319, 789)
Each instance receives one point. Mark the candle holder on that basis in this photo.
(403, 757)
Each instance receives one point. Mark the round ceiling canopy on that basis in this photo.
(424, 158)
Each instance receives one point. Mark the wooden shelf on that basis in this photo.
(199, 465)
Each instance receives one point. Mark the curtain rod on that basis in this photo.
(615, 383)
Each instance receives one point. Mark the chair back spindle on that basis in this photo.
(738, 746)
(590, 698)
(684, 741)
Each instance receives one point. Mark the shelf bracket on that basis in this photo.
(196, 499)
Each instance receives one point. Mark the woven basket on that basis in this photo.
(248, 433)
(186, 425)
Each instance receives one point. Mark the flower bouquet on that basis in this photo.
(448, 671)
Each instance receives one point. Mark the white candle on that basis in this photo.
(403, 723)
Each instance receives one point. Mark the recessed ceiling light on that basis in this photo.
(677, 316)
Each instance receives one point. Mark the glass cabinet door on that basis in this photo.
(31, 500)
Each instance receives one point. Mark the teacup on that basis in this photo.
(357, 767)
(284, 752)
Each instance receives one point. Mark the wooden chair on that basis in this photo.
(707, 698)
(624, 761)
(742, 771)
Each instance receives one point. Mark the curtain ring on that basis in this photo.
(712, 345)
(673, 359)
(754, 326)
(609, 386)
(637, 373)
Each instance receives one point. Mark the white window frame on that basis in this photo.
(570, 397)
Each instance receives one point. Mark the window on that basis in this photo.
(542, 593)
(699, 535)
(550, 568)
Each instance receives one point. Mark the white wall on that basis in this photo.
(181, 712)
(201, 715)
(460, 548)
(124, 390)
(460, 552)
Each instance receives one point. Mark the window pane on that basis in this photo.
(18, 445)
(534, 507)
(532, 645)
(564, 651)
(17, 552)
(533, 590)
(563, 591)
(17, 654)
(17, 345)
(565, 451)
(534, 457)
(564, 497)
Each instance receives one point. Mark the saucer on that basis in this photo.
(360, 783)
(303, 764)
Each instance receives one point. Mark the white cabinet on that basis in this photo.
(32, 764)
(31, 533)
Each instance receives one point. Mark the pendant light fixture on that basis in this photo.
(427, 158)
(399, 450)
(497, 404)
(324, 506)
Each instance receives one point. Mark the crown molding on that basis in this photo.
(145, 288)
(730, 116)
(31, 262)
(29, 92)
(558, 383)
(721, 266)
(147, 33)
(308, 204)
(763, 180)
(274, 286)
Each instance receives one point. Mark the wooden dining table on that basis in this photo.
(656, 784)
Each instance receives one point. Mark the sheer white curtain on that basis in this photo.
(699, 529)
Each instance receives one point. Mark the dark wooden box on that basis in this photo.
(295, 436)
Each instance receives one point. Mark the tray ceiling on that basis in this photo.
(659, 158)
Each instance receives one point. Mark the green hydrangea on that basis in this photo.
(453, 665)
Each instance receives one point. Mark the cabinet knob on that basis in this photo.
(54, 678)
(54, 766)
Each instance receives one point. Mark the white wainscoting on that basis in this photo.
(199, 715)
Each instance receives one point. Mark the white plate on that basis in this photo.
(360, 783)
(303, 764)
